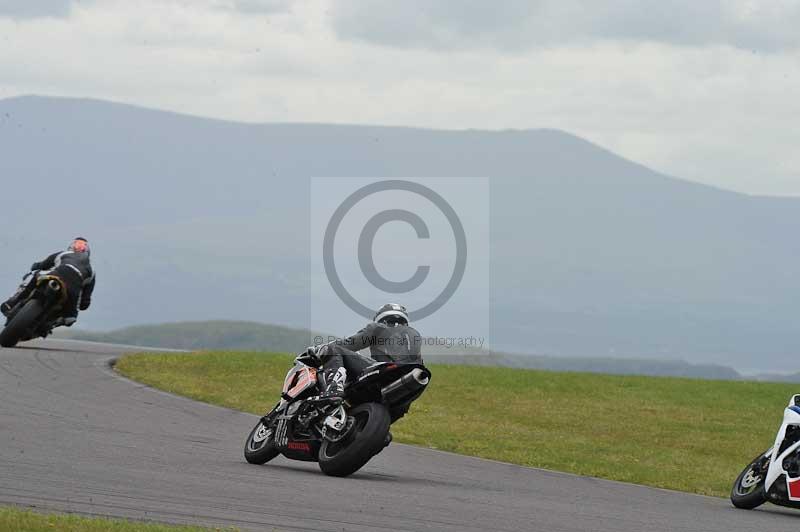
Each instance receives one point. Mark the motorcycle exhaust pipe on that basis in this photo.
(407, 385)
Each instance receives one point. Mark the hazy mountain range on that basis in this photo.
(591, 254)
(249, 336)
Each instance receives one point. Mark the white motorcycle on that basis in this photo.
(774, 475)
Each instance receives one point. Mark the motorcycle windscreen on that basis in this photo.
(299, 379)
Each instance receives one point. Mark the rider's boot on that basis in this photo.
(334, 383)
(70, 315)
(63, 321)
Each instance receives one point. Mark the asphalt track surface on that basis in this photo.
(76, 437)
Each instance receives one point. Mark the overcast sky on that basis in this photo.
(701, 89)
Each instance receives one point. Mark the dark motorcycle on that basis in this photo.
(341, 436)
(34, 315)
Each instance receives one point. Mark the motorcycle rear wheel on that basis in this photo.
(21, 323)
(343, 458)
(260, 445)
(748, 490)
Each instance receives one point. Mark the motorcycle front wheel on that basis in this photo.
(365, 439)
(260, 445)
(748, 490)
(22, 322)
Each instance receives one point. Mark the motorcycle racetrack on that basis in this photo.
(76, 437)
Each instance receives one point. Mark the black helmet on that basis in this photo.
(392, 314)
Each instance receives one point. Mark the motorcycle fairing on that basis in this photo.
(791, 418)
(793, 488)
(299, 379)
(290, 444)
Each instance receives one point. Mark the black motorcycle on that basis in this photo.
(34, 315)
(342, 436)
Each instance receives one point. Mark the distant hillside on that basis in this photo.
(206, 335)
(591, 254)
(778, 377)
(233, 335)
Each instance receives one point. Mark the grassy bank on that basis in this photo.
(26, 521)
(683, 434)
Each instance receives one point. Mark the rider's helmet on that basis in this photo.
(79, 245)
(392, 314)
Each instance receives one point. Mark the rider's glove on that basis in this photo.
(312, 350)
(309, 356)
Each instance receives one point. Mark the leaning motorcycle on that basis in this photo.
(342, 436)
(34, 315)
(774, 475)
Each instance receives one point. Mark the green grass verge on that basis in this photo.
(684, 434)
(20, 520)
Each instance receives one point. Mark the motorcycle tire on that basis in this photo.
(21, 323)
(260, 445)
(748, 490)
(371, 426)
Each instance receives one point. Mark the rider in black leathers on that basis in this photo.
(389, 338)
(73, 267)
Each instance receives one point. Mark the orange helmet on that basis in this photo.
(79, 245)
